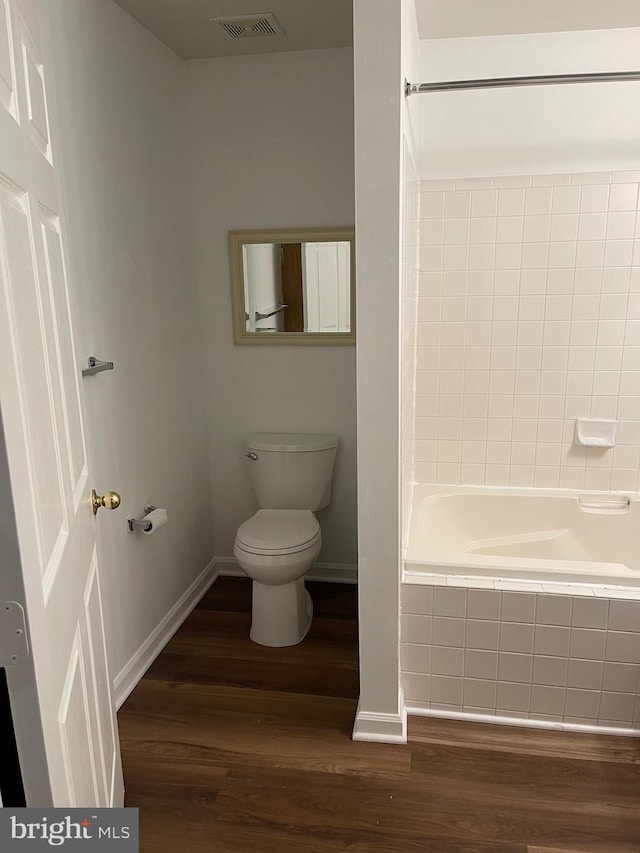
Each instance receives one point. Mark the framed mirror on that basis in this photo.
(293, 286)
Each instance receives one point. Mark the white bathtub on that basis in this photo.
(537, 535)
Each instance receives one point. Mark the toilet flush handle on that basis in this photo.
(252, 456)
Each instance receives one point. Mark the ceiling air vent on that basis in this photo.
(249, 26)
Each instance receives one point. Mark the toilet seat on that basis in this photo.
(278, 531)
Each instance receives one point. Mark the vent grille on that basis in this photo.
(249, 26)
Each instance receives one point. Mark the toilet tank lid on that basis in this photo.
(290, 442)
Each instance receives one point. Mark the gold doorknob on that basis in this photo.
(110, 500)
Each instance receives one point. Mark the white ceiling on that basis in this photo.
(183, 25)
(459, 18)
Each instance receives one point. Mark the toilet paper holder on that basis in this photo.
(140, 523)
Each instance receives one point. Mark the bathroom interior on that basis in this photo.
(475, 596)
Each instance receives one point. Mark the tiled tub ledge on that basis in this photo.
(421, 578)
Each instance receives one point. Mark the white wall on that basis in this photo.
(119, 95)
(570, 128)
(385, 45)
(271, 146)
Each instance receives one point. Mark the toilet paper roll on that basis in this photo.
(158, 518)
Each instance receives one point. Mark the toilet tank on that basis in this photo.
(292, 470)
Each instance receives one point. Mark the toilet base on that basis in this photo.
(281, 614)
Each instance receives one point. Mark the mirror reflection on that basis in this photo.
(297, 287)
(293, 286)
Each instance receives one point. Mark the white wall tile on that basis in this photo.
(482, 634)
(480, 693)
(551, 290)
(516, 637)
(551, 640)
(538, 201)
(621, 677)
(480, 663)
(584, 704)
(448, 631)
(617, 706)
(589, 612)
(416, 629)
(513, 666)
(484, 202)
(551, 671)
(417, 688)
(547, 701)
(518, 607)
(553, 609)
(513, 697)
(566, 199)
(483, 604)
(623, 647)
(415, 658)
(511, 202)
(594, 199)
(447, 661)
(587, 644)
(585, 674)
(624, 615)
(447, 690)
(449, 602)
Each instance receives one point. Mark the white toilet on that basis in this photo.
(291, 476)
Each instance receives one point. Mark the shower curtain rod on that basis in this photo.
(503, 82)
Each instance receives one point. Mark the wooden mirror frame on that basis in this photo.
(237, 239)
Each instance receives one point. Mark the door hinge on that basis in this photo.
(14, 646)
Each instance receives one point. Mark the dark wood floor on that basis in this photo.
(229, 746)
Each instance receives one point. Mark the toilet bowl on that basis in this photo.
(291, 474)
(276, 548)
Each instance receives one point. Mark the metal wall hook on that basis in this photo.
(96, 366)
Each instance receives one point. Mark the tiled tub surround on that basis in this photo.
(528, 317)
(569, 660)
(410, 249)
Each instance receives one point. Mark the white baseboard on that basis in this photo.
(328, 572)
(381, 728)
(141, 660)
(522, 722)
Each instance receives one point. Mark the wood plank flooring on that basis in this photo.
(230, 746)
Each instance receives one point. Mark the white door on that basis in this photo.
(326, 284)
(41, 407)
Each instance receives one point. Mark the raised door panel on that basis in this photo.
(27, 311)
(104, 735)
(63, 343)
(35, 112)
(75, 730)
(7, 61)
